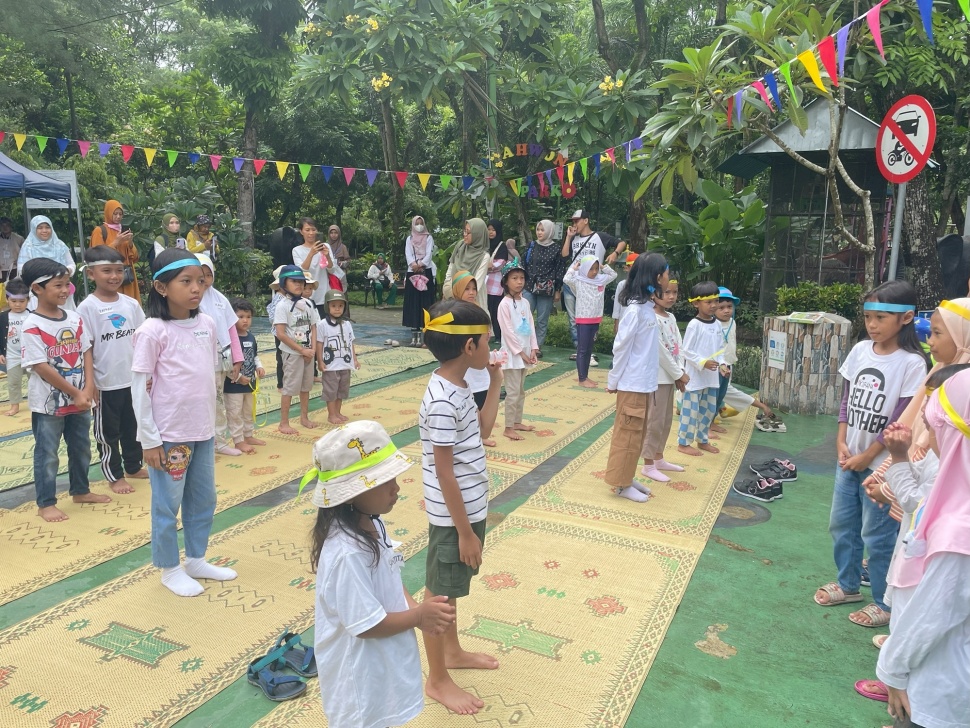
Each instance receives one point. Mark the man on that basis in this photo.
(582, 240)
(10, 244)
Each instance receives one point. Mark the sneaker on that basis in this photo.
(776, 424)
(784, 471)
(760, 490)
(865, 573)
(572, 357)
(593, 361)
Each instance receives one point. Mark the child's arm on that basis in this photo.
(489, 412)
(609, 272)
(692, 340)
(313, 341)
(353, 352)
(469, 545)
(235, 350)
(147, 430)
(50, 375)
(286, 338)
(509, 338)
(433, 616)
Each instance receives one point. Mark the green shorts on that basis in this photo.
(446, 574)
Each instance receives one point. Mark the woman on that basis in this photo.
(544, 268)
(340, 251)
(493, 281)
(382, 278)
(42, 242)
(317, 261)
(473, 255)
(201, 240)
(419, 294)
(170, 238)
(110, 233)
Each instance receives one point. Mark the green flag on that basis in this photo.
(172, 155)
(42, 142)
(305, 170)
(445, 181)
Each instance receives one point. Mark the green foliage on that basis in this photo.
(558, 334)
(241, 270)
(845, 299)
(747, 371)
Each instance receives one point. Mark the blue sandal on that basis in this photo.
(275, 685)
(297, 656)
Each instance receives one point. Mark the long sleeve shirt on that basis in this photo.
(703, 342)
(589, 298)
(635, 355)
(669, 350)
(518, 332)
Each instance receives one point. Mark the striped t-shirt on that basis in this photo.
(449, 418)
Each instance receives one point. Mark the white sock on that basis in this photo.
(202, 569)
(662, 464)
(640, 486)
(651, 472)
(178, 582)
(631, 493)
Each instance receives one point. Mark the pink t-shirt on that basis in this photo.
(179, 357)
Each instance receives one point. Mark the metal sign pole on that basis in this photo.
(897, 229)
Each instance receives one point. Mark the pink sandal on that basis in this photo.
(873, 689)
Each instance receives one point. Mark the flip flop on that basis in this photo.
(879, 639)
(275, 685)
(836, 596)
(297, 656)
(869, 689)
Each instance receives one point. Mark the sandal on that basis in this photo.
(877, 617)
(275, 685)
(873, 689)
(836, 595)
(879, 640)
(297, 656)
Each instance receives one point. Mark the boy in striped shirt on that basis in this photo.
(455, 482)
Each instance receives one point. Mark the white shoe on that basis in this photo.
(593, 361)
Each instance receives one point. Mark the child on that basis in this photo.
(633, 377)
(455, 483)
(309, 286)
(110, 319)
(239, 391)
(881, 374)
(618, 308)
(588, 281)
(295, 322)
(60, 391)
(519, 343)
(670, 376)
(704, 351)
(175, 349)
(11, 327)
(336, 354)
(364, 629)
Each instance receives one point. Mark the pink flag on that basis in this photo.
(402, 177)
(872, 18)
(214, 160)
(349, 174)
(760, 88)
(826, 51)
(611, 154)
(258, 165)
(84, 146)
(126, 152)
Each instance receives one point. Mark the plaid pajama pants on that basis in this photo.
(696, 414)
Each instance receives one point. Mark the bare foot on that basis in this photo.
(718, 428)
(488, 442)
(688, 450)
(121, 486)
(712, 437)
(707, 447)
(589, 384)
(254, 441)
(464, 660)
(524, 428)
(453, 697)
(245, 447)
(140, 475)
(318, 380)
(14, 409)
(52, 514)
(335, 420)
(308, 423)
(286, 429)
(91, 498)
(343, 418)
(510, 433)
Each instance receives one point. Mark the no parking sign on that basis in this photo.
(905, 139)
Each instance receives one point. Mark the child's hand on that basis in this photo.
(875, 491)
(306, 353)
(154, 457)
(236, 368)
(857, 463)
(710, 365)
(435, 615)
(3, 360)
(356, 364)
(898, 438)
(83, 400)
(260, 372)
(470, 550)
(725, 371)
(843, 451)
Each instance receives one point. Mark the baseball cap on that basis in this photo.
(581, 213)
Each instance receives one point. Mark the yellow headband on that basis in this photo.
(954, 308)
(712, 297)
(951, 412)
(673, 281)
(443, 325)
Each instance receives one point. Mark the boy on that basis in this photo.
(239, 389)
(110, 319)
(60, 391)
(294, 322)
(704, 352)
(336, 354)
(11, 326)
(455, 483)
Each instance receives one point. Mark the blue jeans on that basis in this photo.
(569, 304)
(48, 429)
(542, 308)
(856, 523)
(188, 481)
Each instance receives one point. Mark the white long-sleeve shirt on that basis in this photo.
(910, 482)
(411, 258)
(589, 298)
(670, 350)
(635, 351)
(703, 342)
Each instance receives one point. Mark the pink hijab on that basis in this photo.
(419, 240)
(944, 519)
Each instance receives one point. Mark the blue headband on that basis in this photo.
(183, 263)
(888, 307)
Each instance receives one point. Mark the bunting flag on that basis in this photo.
(542, 187)
(582, 167)
(926, 15)
(772, 85)
(739, 105)
(305, 170)
(172, 156)
(841, 43)
(103, 148)
(467, 181)
(19, 139)
(281, 168)
(730, 112)
(826, 52)
(514, 184)
(41, 142)
(2, 135)
(402, 177)
(596, 165)
(760, 88)
(126, 151)
(149, 155)
(258, 165)
(62, 145)
(194, 157)
(445, 181)
(237, 163)
(811, 65)
(626, 149)
(349, 174)
(83, 146)
(611, 154)
(327, 170)
(560, 172)
(571, 167)
(215, 159)
(423, 178)
(371, 176)
(872, 19)
(785, 69)
(637, 143)
(548, 174)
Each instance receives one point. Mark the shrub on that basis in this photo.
(845, 299)
(558, 334)
(747, 370)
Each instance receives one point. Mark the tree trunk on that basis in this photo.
(927, 277)
(389, 142)
(245, 198)
(637, 239)
(720, 17)
(602, 37)
(643, 36)
(69, 81)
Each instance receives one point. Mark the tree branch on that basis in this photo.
(602, 37)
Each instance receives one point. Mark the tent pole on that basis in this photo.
(80, 241)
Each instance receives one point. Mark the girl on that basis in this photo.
(882, 374)
(633, 377)
(465, 288)
(170, 238)
(493, 281)
(382, 278)
(670, 376)
(543, 273)
(111, 233)
(317, 260)
(42, 242)
(471, 254)
(419, 284)
(588, 281)
(176, 420)
(519, 344)
(364, 645)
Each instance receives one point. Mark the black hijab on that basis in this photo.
(497, 245)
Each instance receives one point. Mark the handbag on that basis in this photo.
(420, 282)
(335, 283)
(545, 288)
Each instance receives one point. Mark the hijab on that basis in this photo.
(459, 282)
(500, 251)
(585, 266)
(419, 241)
(548, 230)
(168, 239)
(109, 209)
(944, 517)
(381, 262)
(53, 247)
(337, 252)
(469, 257)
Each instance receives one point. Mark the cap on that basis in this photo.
(581, 213)
(334, 295)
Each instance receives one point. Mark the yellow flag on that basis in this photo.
(281, 167)
(811, 65)
(569, 171)
(423, 179)
(20, 139)
(149, 155)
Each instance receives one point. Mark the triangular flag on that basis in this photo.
(467, 181)
(281, 168)
(626, 148)
(2, 135)
(760, 88)
(772, 85)
(811, 65)
(349, 174)
(172, 156)
(926, 15)
(445, 181)
(423, 179)
(305, 170)
(258, 165)
(965, 6)
(637, 143)
(194, 157)
(826, 52)
(730, 112)
(402, 177)
(841, 43)
(785, 69)
(542, 187)
(371, 176)
(20, 139)
(570, 169)
(84, 147)
(872, 19)
(560, 173)
(548, 174)
(62, 145)
(596, 165)
(237, 163)
(126, 152)
(611, 154)
(214, 160)
(149, 155)
(104, 148)
(41, 141)
(739, 105)
(583, 163)
(327, 171)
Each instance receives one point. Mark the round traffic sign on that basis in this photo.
(905, 139)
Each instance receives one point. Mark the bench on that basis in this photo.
(369, 291)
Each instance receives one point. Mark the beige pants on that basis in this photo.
(629, 427)
(15, 384)
(514, 396)
(660, 421)
(239, 412)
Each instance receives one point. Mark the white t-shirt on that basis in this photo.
(449, 418)
(703, 341)
(317, 272)
(338, 351)
(217, 307)
(110, 328)
(592, 244)
(60, 343)
(635, 354)
(174, 354)
(670, 357)
(729, 338)
(618, 308)
(15, 327)
(478, 380)
(364, 683)
(876, 383)
(299, 319)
